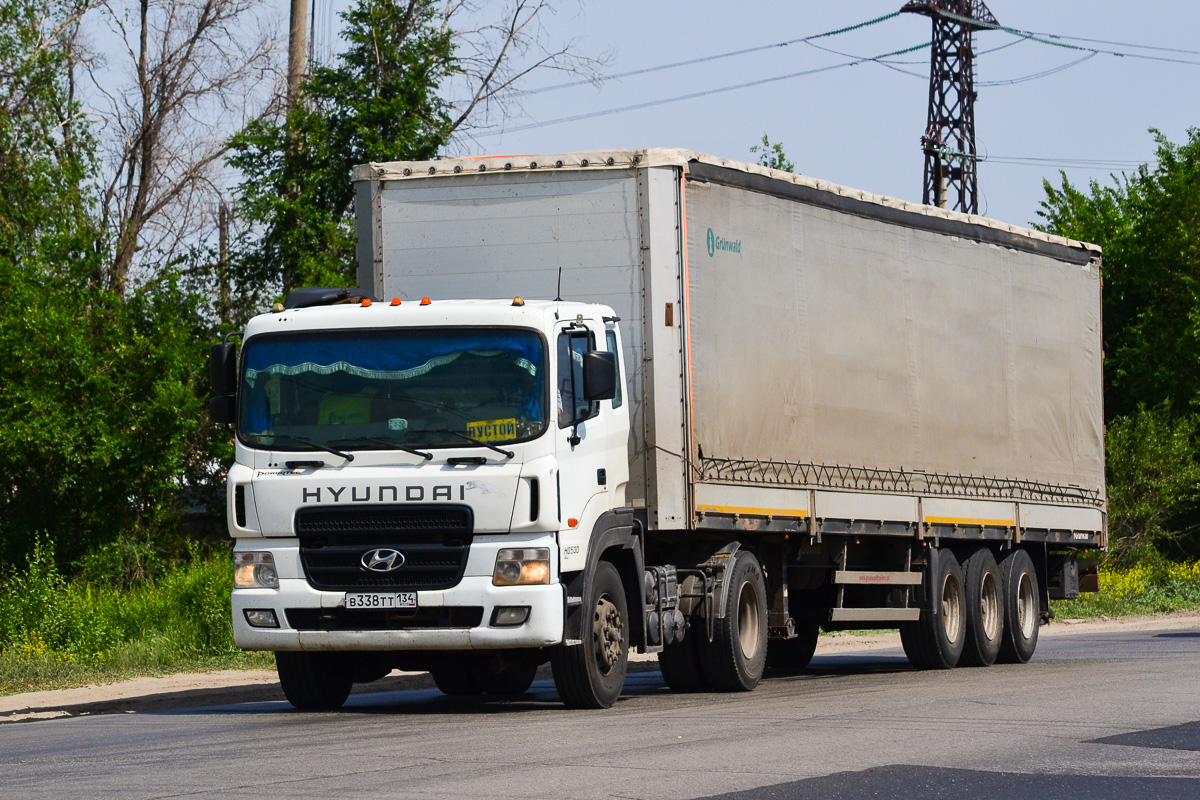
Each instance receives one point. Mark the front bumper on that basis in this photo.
(543, 628)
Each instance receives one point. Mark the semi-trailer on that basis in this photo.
(704, 409)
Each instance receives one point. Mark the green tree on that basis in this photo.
(377, 102)
(1149, 226)
(97, 391)
(770, 154)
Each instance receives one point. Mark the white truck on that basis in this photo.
(707, 409)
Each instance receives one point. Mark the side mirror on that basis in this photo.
(223, 409)
(599, 375)
(222, 368)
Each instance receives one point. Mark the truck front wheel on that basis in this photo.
(315, 681)
(592, 673)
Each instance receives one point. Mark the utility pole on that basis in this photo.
(297, 52)
(297, 66)
(949, 140)
(223, 260)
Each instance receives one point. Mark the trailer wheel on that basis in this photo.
(315, 681)
(1019, 585)
(734, 660)
(680, 663)
(793, 655)
(936, 640)
(592, 673)
(985, 609)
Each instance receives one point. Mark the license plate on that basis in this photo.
(381, 600)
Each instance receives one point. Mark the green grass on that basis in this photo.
(1154, 586)
(56, 632)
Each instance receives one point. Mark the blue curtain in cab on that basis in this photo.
(397, 355)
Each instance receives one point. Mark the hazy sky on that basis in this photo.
(860, 125)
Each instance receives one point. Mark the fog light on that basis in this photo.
(510, 615)
(254, 571)
(522, 567)
(261, 618)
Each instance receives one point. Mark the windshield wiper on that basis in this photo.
(302, 440)
(473, 440)
(386, 443)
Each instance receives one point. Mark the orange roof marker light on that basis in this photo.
(366, 302)
(518, 301)
(425, 301)
(395, 301)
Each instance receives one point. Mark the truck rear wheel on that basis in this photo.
(936, 640)
(736, 657)
(592, 673)
(680, 663)
(1022, 607)
(315, 681)
(793, 655)
(985, 609)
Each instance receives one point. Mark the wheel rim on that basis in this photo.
(608, 632)
(749, 629)
(989, 606)
(951, 608)
(1026, 615)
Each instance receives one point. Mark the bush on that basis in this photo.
(1153, 483)
(1151, 586)
(52, 628)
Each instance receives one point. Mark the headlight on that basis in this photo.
(522, 567)
(254, 571)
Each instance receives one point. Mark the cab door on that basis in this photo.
(582, 442)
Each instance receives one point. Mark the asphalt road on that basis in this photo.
(1097, 715)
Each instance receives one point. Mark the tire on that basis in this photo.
(936, 640)
(514, 677)
(680, 663)
(985, 609)
(1022, 608)
(793, 655)
(736, 657)
(457, 677)
(315, 681)
(591, 674)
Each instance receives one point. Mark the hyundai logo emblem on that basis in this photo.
(383, 560)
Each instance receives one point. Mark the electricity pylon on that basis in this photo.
(949, 140)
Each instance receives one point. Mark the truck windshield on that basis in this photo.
(368, 390)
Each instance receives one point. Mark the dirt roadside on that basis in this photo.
(228, 687)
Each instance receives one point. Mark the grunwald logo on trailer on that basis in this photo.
(716, 243)
(383, 560)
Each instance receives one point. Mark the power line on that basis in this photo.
(1046, 39)
(703, 93)
(714, 57)
(1034, 76)
(1062, 163)
(1119, 44)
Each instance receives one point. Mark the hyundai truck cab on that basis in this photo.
(415, 476)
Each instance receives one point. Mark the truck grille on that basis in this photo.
(434, 540)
